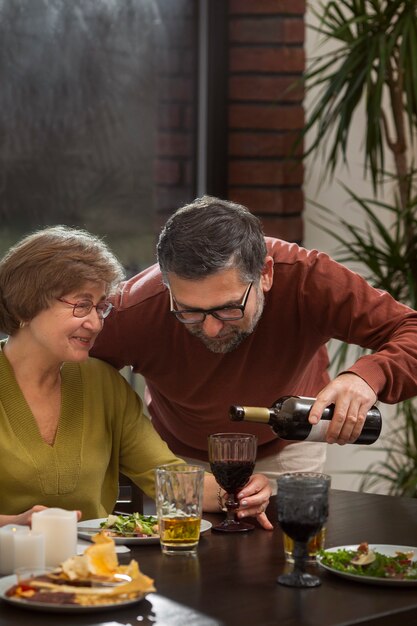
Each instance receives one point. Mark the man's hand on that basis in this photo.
(352, 398)
(254, 498)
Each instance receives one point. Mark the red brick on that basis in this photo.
(267, 30)
(290, 60)
(174, 144)
(267, 6)
(246, 144)
(252, 116)
(265, 88)
(278, 201)
(265, 172)
(289, 229)
(167, 172)
(293, 31)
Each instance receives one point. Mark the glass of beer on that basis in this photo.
(179, 505)
(315, 544)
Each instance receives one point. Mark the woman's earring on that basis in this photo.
(22, 324)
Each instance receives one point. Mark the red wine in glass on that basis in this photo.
(232, 460)
(303, 507)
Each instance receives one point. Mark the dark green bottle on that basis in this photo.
(288, 418)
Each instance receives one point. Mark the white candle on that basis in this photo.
(29, 550)
(7, 534)
(60, 529)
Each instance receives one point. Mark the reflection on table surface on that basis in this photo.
(232, 581)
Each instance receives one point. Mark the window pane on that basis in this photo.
(97, 117)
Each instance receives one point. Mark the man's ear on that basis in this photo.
(267, 275)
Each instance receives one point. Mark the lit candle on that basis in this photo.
(60, 530)
(29, 550)
(7, 535)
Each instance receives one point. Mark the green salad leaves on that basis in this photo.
(135, 524)
(400, 567)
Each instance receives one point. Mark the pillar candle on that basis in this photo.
(29, 550)
(7, 534)
(60, 530)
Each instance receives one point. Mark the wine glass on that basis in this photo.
(232, 459)
(303, 507)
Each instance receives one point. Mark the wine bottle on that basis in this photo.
(288, 418)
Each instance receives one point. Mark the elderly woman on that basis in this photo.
(70, 423)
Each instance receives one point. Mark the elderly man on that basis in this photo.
(231, 317)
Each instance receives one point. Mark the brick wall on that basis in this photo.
(266, 57)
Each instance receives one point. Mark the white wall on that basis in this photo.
(341, 460)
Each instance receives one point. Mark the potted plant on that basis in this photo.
(374, 63)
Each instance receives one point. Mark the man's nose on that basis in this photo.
(212, 326)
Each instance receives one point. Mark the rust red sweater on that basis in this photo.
(312, 300)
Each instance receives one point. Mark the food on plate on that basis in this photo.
(364, 555)
(136, 525)
(91, 579)
(365, 561)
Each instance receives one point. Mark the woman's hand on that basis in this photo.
(22, 519)
(254, 498)
(25, 518)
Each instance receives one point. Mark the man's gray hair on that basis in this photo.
(210, 235)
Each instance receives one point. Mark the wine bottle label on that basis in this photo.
(318, 431)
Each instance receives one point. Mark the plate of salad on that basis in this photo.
(381, 564)
(124, 529)
(127, 529)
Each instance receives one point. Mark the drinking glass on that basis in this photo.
(315, 544)
(303, 507)
(232, 459)
(179, 505)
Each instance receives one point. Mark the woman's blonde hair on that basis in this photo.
(48, 264)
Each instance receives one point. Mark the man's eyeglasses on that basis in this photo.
(84, 307)
(224, 313)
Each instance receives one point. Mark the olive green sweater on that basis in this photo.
(102, 430)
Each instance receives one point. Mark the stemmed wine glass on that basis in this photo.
(303, 507)
(232, 459)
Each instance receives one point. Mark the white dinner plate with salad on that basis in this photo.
(88, 528)
(337, 561)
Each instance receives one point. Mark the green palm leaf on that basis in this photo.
(377, 40)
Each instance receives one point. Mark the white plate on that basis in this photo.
(382, 548)
(92, 523)
(8, 581)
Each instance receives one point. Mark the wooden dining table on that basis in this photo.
(232, 580)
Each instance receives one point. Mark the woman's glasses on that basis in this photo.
(84, 307)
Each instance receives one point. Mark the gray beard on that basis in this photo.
(231, 341)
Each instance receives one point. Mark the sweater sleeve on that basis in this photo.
(141, 448)
(342, 305)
